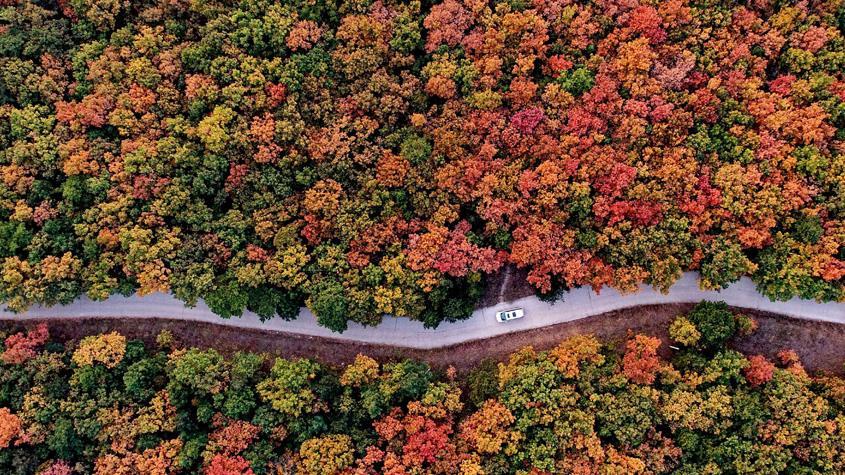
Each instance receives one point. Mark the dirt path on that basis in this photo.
(507, 285)
(820, 344)
(506, 280)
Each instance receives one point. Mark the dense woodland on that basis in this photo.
(364, 157)
(108, 406)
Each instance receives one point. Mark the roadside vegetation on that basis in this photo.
(366, 157)
(107, 406)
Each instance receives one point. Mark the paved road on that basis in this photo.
(577, 303)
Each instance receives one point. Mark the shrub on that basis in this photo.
(745, 325)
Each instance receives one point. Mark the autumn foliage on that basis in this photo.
(223, 465)
(640, 363)
(759, 370)
(583, 407)
(21, 347)
(384, 156)
(10, 427)
(105, 349)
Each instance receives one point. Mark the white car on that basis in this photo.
(508, 315)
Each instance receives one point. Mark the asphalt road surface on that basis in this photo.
(402, 332)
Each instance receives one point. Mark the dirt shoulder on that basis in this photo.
(821, 345)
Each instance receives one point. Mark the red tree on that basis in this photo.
(759, 370)
(223, 465)
(20, 347)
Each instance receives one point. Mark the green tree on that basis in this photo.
(715, 322)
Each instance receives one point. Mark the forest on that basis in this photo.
(371, 157)
(104, 405)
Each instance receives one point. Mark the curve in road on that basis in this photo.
(402, 332)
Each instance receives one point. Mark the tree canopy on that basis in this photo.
(364, 157)
(107, 405)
